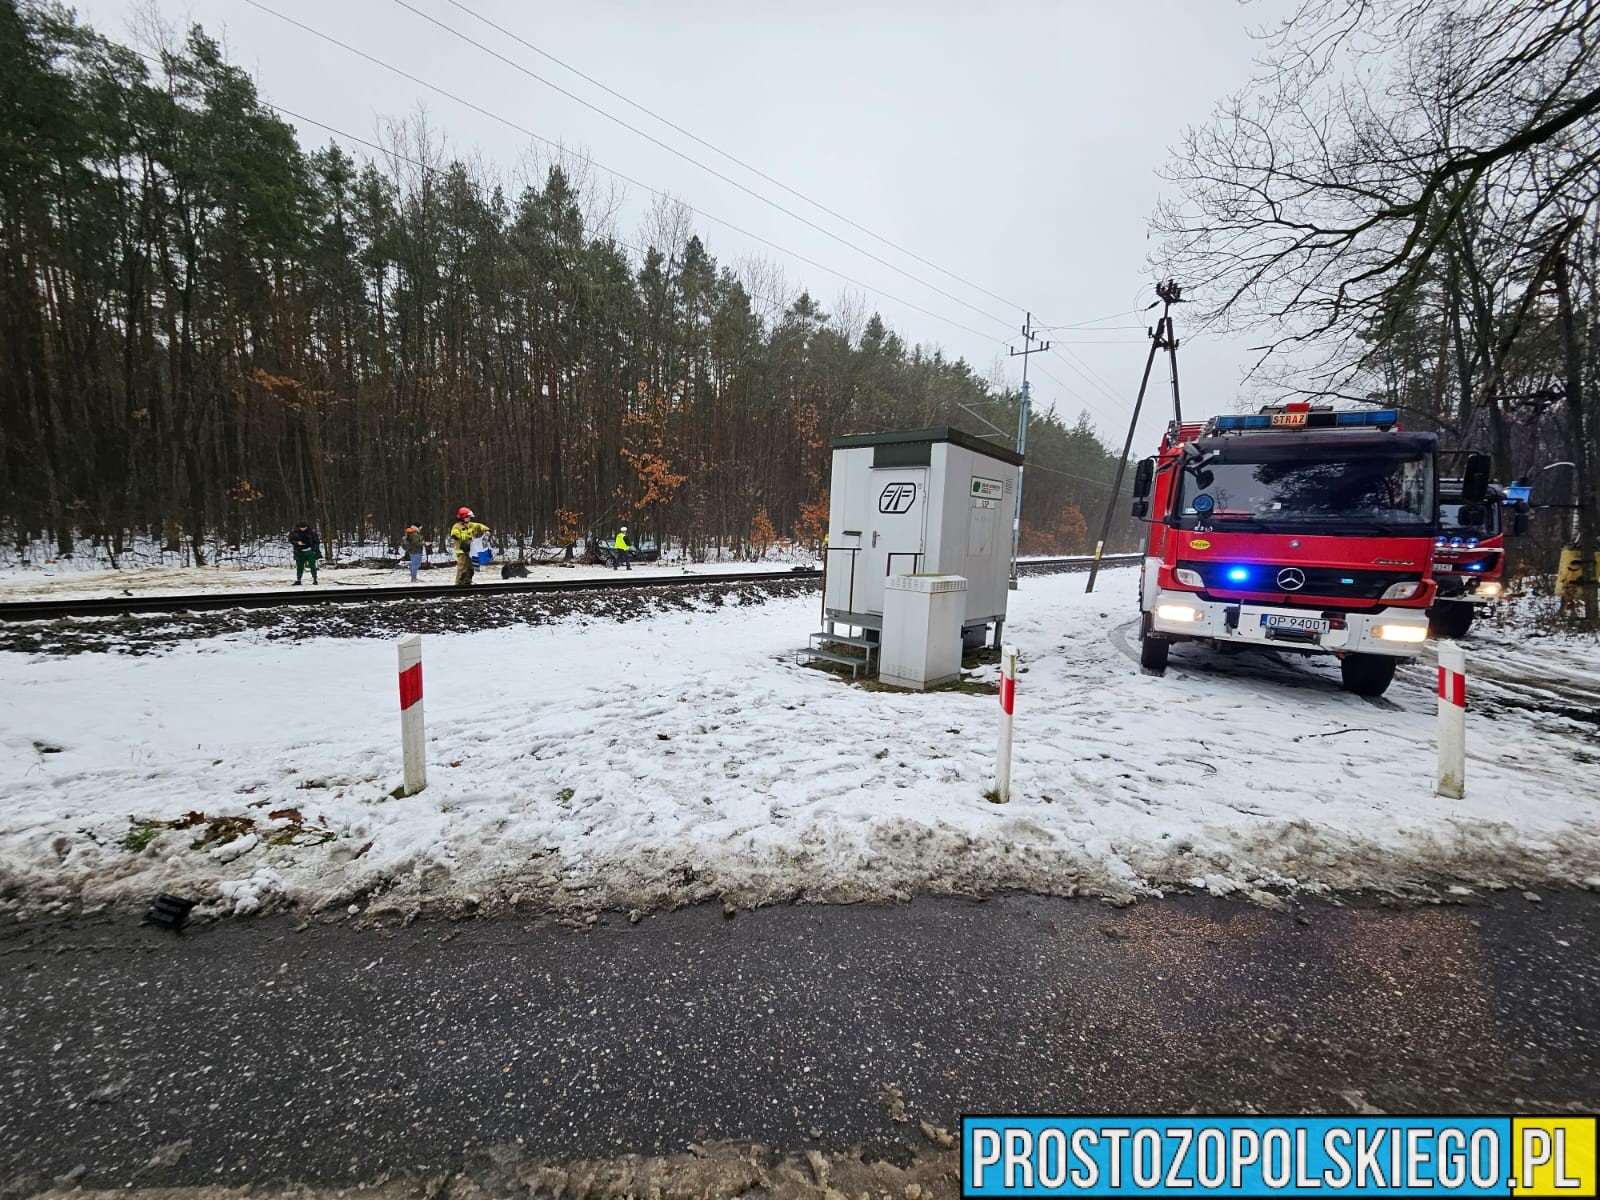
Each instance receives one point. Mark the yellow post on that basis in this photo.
(1569, 576)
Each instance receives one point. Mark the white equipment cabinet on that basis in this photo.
(919, 502)
(921, 646)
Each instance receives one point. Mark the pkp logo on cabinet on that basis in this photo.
(897, 498)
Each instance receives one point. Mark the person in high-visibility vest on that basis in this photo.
(621, 552)
(461, 534)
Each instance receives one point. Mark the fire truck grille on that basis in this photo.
(1319, 581)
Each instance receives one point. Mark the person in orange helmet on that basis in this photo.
(414, 546)
(462, 532)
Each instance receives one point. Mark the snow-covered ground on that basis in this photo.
(593, 763)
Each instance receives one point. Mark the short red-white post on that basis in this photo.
(411, 742)
(1008, 703)
(1452, 720)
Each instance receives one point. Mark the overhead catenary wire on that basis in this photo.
(1092, 403)
(1127, 312)
(1099, 483)
(671, 149)
(634, 246)
(733, 158)
(391, 152)
(526, 132)
(1086, 373)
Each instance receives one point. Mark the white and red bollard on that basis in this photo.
(1452, 721)
(411, 741)
(1008, 704)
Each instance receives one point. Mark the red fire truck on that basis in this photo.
(1469, 553)
(1295, 528)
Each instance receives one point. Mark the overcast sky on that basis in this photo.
(1015, 145)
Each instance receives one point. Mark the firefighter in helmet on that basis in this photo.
(621, 552)
(461, 534)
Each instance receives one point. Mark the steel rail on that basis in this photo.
(116, 606)
(112, 606)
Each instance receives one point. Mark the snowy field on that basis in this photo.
(590, 764)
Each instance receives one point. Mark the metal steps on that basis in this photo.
(836, 643)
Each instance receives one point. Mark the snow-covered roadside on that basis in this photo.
(588, 764)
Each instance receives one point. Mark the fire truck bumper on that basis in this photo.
(1396, 631)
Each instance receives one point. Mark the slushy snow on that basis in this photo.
(592, 764)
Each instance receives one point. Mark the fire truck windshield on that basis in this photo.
(1358, 495)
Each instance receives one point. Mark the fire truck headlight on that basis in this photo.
(1490, 588)
(1402, 591)
(1177, 612)
(1188, 578)
(1402, 633)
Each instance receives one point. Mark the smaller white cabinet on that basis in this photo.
(922, 616)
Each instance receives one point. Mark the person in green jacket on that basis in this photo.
(621, 552)
(414, 546)
(461, 534)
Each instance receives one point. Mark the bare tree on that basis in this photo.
(1317, 200)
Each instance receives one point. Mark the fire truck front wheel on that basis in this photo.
(1153, 650)
(1367, 674)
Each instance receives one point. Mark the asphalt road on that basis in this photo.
(252, 1052)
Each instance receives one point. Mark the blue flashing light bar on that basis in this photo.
(1238, 574)
(1376, 416)
(1365, 418)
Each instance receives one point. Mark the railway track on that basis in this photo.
(116, 606)
(1076, 562)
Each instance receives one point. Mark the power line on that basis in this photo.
(1098, 378)
(1086, 373)
(1127, 312)
(1099, 483)
(725, 154)
(671, 149)
(1091, 403)
(634, 246)
(391, 152)
(526, 132)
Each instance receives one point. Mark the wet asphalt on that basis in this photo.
(260, 1051)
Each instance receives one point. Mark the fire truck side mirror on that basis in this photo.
(1141, 508)
(1143, 474)
(1475, 479)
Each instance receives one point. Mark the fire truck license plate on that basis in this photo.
(1272, 621)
